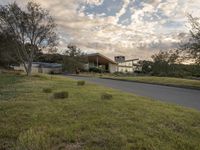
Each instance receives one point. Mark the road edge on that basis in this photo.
(169, 85)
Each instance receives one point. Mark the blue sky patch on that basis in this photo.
(109, 8)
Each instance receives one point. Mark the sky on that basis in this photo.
(132, 28)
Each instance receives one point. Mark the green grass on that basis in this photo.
(31, 119)
(162, 80)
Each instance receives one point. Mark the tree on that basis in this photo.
(146, 66)
(7, 56)
(191, 49)
(74, 59)
(170, 57)
(30, 30)
(164, 62)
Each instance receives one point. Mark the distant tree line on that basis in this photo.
(170, 70)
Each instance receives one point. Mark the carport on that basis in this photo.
(100, 61)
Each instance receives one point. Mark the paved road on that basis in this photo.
(185, 97)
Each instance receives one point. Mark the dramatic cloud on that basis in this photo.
(134, 28)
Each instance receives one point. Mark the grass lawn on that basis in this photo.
(162, 80)
(31, 119)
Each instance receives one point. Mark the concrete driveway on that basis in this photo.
(185, 97)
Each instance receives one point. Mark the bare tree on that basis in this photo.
(31, 29)
(170, 57)
(74, 59)
(191, 50)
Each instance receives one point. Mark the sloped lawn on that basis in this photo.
(33, 119)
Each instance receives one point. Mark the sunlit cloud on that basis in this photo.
(134, 28)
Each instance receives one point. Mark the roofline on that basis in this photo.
(131, 60)
(98, 54)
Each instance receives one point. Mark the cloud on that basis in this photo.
(134, 28)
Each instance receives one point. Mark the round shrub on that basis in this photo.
(81, 83)
(47, 90)
(61, 95)
(106, 96)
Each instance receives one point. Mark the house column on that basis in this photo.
(97, 62)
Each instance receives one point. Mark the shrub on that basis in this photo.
(118, 74)
(51, 72)
(106, 96)
(81, 83)
(96, 70)
(61, 95)
(47, 90)
(34, 139)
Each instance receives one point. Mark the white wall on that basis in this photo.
(35, 69)
(129, 63)
(21, 68)
(87, 67)
(125, 69)
(112, 68)
(128, 66)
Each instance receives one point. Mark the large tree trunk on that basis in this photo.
(26, 68)
(30, 62)
(29, 69)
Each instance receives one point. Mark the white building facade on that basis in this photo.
(119, 65)
(127, 66)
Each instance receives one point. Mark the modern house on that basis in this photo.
(95, 60)
(119, 65)
(40, 67)
(100, 61)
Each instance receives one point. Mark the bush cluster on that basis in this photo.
(61, 95)
(106, 96)
(47, 90)
(97, 70)
(81, 83)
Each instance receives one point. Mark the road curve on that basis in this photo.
(181, 96)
